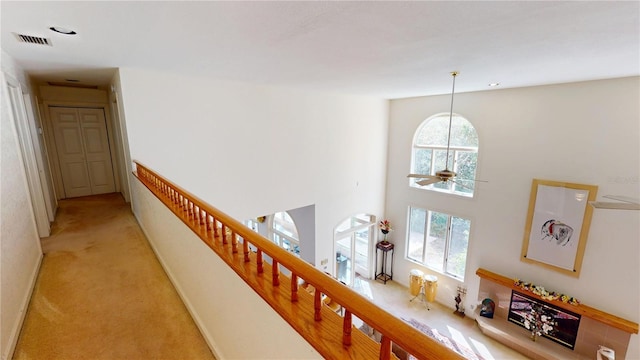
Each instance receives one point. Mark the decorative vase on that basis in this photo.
(385, 232)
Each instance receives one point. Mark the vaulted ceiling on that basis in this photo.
(384, 49)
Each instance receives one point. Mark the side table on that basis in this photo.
(384, 274)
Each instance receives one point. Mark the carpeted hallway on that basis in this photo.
(102, 294)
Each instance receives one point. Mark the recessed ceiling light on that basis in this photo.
(62, 30)
(494, 84)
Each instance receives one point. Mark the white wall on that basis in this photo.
(235, 321)
(253, 150)
(585, 133)
(20, 251)
(117, 109)
(305, 219)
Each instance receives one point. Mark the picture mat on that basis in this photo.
(566, 206)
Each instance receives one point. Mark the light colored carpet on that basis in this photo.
(102, 294)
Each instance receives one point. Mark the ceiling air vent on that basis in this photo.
(33, 39)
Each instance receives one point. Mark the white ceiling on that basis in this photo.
(383, 49)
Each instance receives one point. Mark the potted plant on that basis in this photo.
(385, 227)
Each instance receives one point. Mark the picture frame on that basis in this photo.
(557, 227)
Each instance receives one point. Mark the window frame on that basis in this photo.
(454, 152)
(278, 236)
(252, 224)
(349, 228)
(447, 245)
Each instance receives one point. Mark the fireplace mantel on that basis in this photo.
(596, 328)
(581, 309)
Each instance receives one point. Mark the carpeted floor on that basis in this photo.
(102, 294)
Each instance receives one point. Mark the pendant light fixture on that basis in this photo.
(446, 174)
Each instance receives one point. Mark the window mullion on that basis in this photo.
(432, 167)
(427, 228)
(455, 161)
(446, 244)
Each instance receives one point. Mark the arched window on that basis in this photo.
(284, 232)
(430, 150)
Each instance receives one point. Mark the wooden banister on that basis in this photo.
(581, 309)
(329, 333)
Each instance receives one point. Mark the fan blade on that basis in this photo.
(431, 180)
(420, 176)
(614, 205)
(626, 199)
(627, 203)
(457, 183)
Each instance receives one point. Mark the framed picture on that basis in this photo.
(557, 228)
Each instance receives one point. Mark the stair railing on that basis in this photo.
(330, 334)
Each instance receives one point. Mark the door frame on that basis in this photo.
(370, 251)
(20, 121)
(51, 142)
(42, 156)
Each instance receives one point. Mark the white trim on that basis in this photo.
(350, 232)
(41, 154)
(19, 118)
(120, 161)
(15, 331)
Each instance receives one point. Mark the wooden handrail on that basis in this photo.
(329, 333)
(581, 309)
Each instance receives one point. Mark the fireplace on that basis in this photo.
(595, 327)
(565, 323)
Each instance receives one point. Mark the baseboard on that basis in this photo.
(194, 314)
(15, 332)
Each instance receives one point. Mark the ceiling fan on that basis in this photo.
(624, 203)
(446, 174)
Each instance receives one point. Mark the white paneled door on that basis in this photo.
(83, 151)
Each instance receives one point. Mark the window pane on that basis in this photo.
(434, 132)
(457, 259)
(283, 223)
(436, 240)
(422, 161)
(276, 239)
(286, 244)
(362, 251)
(463, 133)
(417, 224)
(466, 171)
(466, 164)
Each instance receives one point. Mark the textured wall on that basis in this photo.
(20, 251)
